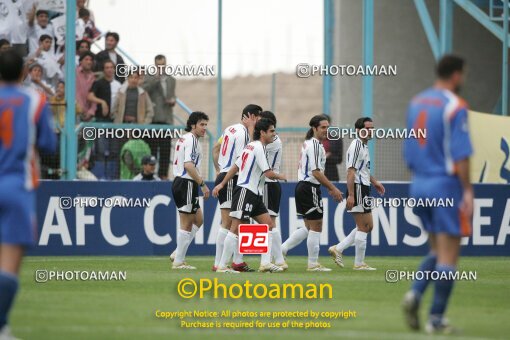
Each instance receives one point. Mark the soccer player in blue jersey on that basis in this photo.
(25, 124)
(440, 166)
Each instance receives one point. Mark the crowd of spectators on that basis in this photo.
(37, 32)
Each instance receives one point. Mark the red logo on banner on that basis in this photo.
(253, 238)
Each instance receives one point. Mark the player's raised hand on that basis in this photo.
(350, 202)
(216, 190)
(205, 191)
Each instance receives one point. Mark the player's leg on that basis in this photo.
(10, 263)
(304, 201)
(230, 246)
(336, 251)
(183, 241)
(272, 197)
(314, 221)
(448, 249)
(276, 248)
(225, 200)
(364, 223)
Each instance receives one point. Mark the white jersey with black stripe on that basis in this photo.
(187, 149)
(358, 158)
(274, 156)
(313, 157)
(233, 141)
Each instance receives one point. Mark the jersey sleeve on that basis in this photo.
(460, 142)
(240, 143)
(190, 150)
(46, 138)
(261, 158)
(353, 158)
(314, 155)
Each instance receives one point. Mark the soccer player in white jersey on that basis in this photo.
(186, 164)
(247, 201)
(358, 192)
(225, 154)
(273, 191)
(308, 192)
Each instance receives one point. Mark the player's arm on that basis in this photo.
(230, 174)
(351, 173)
(264, 166)
(193, 173)
(216, 154)
(332, 190)
(273, 175)
(466, 206)
(378, 186)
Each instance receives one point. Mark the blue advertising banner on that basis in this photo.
(140, 218)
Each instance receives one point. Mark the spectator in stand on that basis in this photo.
(104, 92)
(111, 41)
(133, 104)
(4, 45)
(36, 29)
(81, 4)
(161, 89)
(82, 46)
(85, 28)
(148, 170)
(36, 82)
(14, 24)
(334, 151)
(132, 154)
(84, 80)
(45, 57)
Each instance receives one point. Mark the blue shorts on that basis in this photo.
(440, 218)
(17, 213)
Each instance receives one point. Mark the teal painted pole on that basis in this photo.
(428, 27)
(219, 128)
(70, 88)
(504, 94)
(328, 55)
(368, 59)
(446, 22)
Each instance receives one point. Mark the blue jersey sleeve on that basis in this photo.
(46, 138)
(460, 142)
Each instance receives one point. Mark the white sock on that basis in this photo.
(194, 230)
(182, 243)
(298, 236)
(220, 240)
(266, 258)
(229, 249)
(361, 245)
(276, 250)
(238, 257)
(347, 241)
(313, 244)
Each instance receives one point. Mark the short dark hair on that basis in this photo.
(11, 66)
(314, 123)
(108, 61)
(360, 122)
(44, 37)
(83, 12)
(86, 54)
(79, 42)
(448, 65)
(194, 118)
(251, 109)
(262, 125)
(42, 11)
(159, 57)
(113, 35)
(269, 115)
(4, 42)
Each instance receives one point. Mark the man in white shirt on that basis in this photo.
(36, 29)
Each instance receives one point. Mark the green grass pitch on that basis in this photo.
(125, 309)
